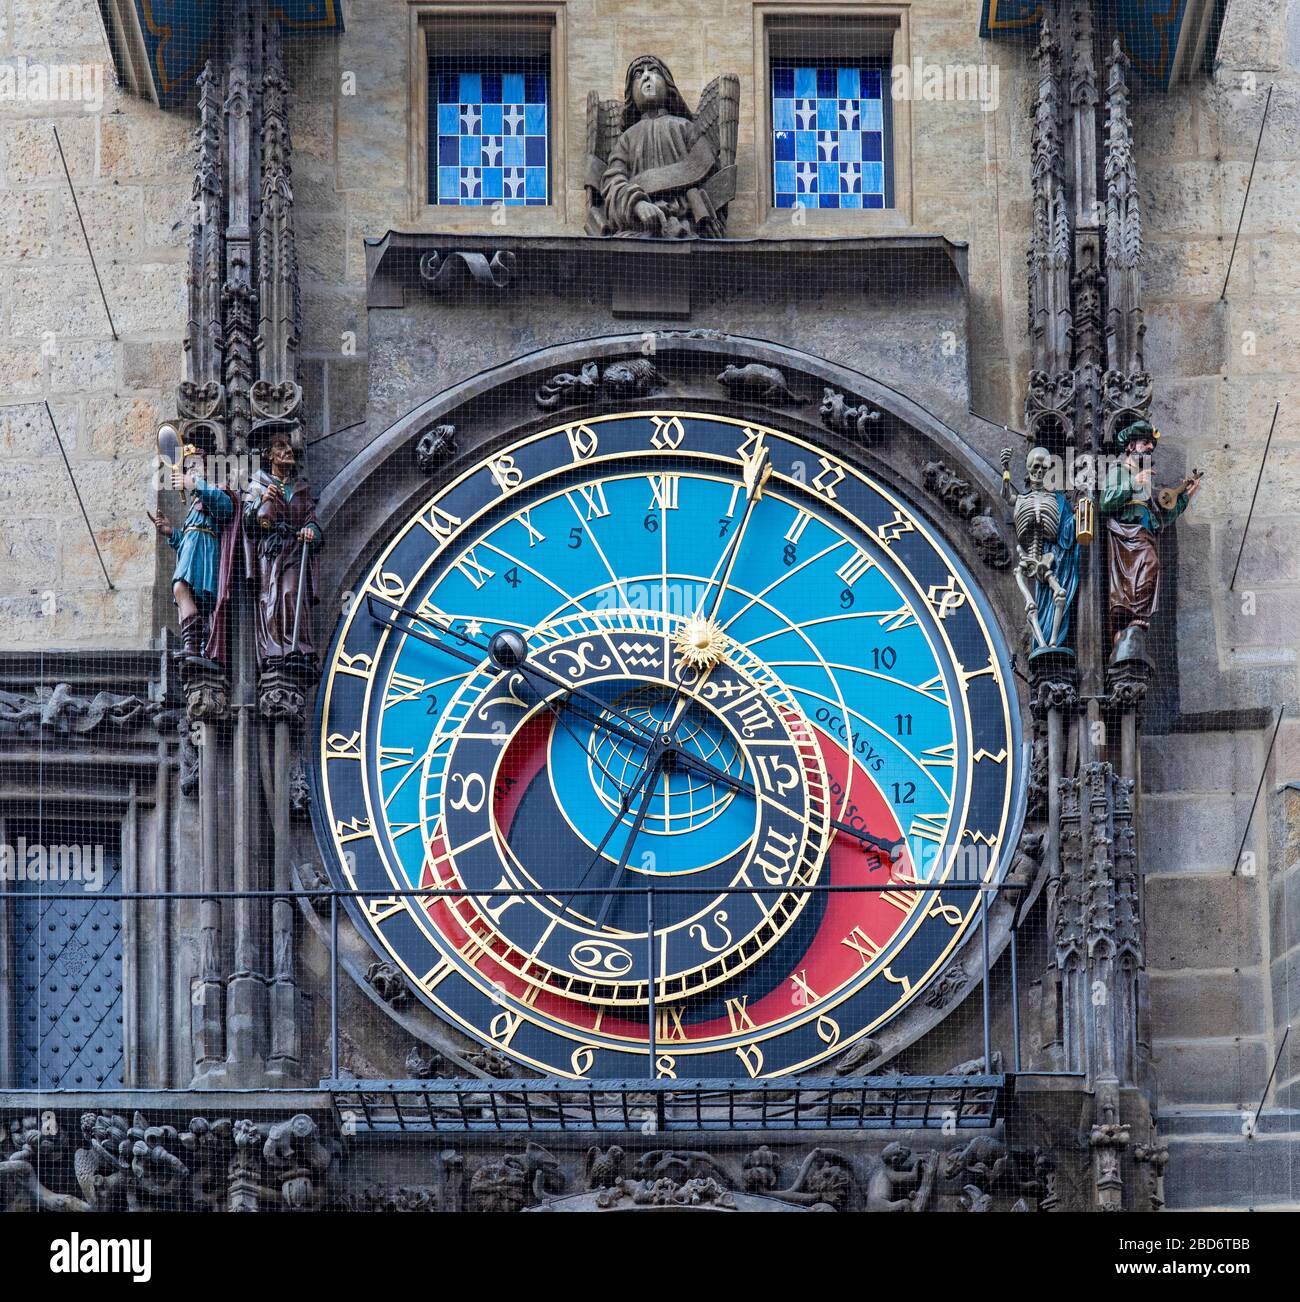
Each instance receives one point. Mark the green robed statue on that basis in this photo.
(1135, 513)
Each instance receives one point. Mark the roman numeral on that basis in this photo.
(862, 945)
(404, 687)
(854, 568)
(477, 574)
(594, 496)
(535, 536)
(738, 1015)
(797, 526)
(663, 491)
(928, 827)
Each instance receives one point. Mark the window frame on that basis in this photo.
(799, 30)
(538, 22)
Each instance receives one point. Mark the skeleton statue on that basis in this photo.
(1047, 551)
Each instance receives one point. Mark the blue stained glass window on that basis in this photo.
(831, 135)
(489, 132)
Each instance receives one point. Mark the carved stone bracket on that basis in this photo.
(443, 272)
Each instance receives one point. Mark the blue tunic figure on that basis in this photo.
(197, 544)
(1047, 552)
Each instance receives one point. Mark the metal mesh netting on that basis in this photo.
(605, 613)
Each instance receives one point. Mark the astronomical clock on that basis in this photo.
(696, 734)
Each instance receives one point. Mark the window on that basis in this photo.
(834, 133)
(489, 131)
(830, 135)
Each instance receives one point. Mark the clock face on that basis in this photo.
(644, 697)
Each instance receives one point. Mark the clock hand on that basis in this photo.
(651, 773)
(628, 796)
(705, 769)
(756, 472)
(507, 651)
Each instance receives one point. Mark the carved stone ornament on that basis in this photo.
(962, 500)
(755, 382)
(121, 1165)
(632, 378)
(854, 420)
(434, 448)
(61, 709)
(656, 169)
(389, 984)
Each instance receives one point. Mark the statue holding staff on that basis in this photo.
(281, 540)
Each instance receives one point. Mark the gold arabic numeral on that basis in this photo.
(752, 1056)
(666, 1066)
(583, 1059)
(351, 829)
(950, 913)
(503, 1026)
(669, 433)
(506, 473)
(439, 523)
(828, 1030)
(826, 479)
(388, 585)
(380, 910)
(583, 441)
(905, 981)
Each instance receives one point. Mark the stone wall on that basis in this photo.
(1223, 945)
(130, 166)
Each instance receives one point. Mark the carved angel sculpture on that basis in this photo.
(653, 167)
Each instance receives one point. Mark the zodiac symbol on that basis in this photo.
(582, 661)
(696, 931)
(600, 958)
(640, 655)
